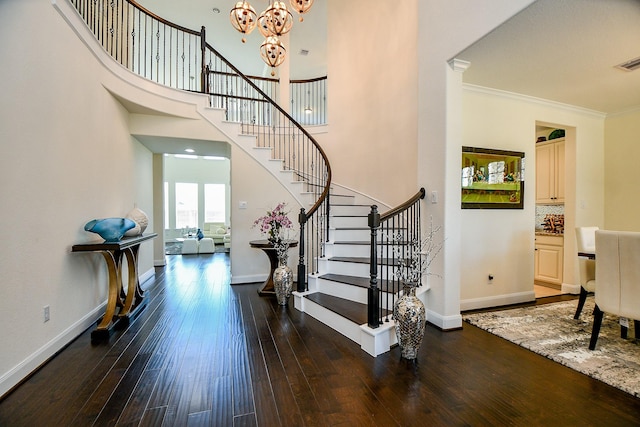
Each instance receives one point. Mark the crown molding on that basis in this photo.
(532, 100)
(459, 65)
(632, 110)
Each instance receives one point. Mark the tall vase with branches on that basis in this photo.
(413, 263)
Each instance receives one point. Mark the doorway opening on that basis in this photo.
(554, 217)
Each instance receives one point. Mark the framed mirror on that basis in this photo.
(492, 179)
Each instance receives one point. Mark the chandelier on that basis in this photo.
(274, 22)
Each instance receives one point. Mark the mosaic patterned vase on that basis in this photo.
(283, 281)
(410, 317)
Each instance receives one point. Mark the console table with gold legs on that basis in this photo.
(123, 304)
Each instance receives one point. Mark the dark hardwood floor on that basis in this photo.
(204, 353)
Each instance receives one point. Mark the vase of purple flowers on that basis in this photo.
(274, 223)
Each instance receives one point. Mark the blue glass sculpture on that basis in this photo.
(110, 229)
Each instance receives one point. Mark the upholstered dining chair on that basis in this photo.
(617, 279)
(586, 240)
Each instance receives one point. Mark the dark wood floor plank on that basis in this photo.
(138, 403)
(295, 376)
(153, 417)
(112, 410)
(264, 399)
(207, 353)
(310, 368)
(222, 410)
(282, 392)
(248, 420)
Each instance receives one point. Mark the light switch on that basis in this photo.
(243, 205)
(434, 197)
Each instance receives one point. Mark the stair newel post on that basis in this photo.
(203, 52)
(373, 294)
(302, 271)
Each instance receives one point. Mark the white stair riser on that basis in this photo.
(350, 292)
(373, 341)
(347, 268)
(349, 221)
(334, 249)
(349, 235)
(349, 210)
(331, 319)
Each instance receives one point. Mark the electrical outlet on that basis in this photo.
(46, 313)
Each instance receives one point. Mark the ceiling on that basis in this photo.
(309, 35)
(565, 51)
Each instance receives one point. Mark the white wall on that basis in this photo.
(621, 204)
(501, 242)
(67, 157)
(372, 99)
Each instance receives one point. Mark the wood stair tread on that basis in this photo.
(361, 282)
(351, 310)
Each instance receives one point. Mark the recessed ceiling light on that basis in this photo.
(189, 150)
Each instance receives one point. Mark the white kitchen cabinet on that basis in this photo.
(550, 172)
(548, 260)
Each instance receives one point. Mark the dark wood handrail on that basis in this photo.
(327, 186)
(242, 98)
(315, 79)
(419, 195)
(164, 21)
(266, 79)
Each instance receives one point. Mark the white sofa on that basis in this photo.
(216, 231)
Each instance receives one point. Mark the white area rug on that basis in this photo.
(551, 331)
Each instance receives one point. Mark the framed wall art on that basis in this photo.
(492, 179)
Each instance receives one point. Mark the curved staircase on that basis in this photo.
(335, 249)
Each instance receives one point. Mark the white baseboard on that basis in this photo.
(146, 275)
(444, 322)
(249, 278)
(497, 300)
(21, 371)
(568, 288)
